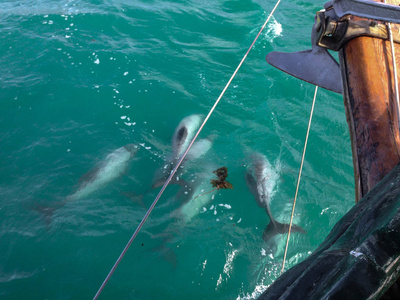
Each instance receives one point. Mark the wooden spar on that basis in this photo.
(371, 109)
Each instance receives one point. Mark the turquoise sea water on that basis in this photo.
(80, 79)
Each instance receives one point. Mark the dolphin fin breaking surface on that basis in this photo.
(274, 227)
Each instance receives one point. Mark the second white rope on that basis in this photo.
(299, 177)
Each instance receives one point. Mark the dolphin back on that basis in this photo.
(252, 185)
(132, 148)
(181, 139)
(184, 133)
(199, 148)
(112, 167)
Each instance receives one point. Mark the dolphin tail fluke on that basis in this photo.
(181, 182)
(174, 180)
(166, 253)
(136, 198)
(274, 228)
(169, 255)
(158, 183)
(47, 212)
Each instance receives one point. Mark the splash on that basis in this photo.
(228, 267)
(274, 29)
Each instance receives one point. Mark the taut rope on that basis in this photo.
(298, 179)
(181, 159)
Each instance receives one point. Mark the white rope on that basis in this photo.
(298, 179)
(181, 159)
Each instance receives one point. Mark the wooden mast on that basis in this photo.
(371, 109)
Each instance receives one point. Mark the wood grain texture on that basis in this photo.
(371, 109)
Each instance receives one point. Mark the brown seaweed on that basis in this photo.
(220, 183)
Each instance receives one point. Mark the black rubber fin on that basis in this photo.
(315, 66)
(47, 212)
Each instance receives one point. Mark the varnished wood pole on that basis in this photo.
(369, 98)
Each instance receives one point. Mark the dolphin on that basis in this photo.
(181, 139)
(184, 134)
(202, 193)
(110, 168)
(261, 179)
(197, 195)
(113, 166)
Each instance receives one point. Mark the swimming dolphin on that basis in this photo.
(202, 193)
(198, 194)
(181, 139)
(109, 169)
(261, 179)
(113, 166)
(184, 134)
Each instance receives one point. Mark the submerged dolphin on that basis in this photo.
(113, 166)
(109, 169)
(181, 139)
(197, 195)
(202, 193)
(261, 180)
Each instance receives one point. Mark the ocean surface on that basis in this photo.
(81, 79)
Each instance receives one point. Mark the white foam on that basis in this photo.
(228, 265)
(356, 253)
(204, 264)
(274, 30)
(227, 206)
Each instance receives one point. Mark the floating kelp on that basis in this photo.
(220, 183)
